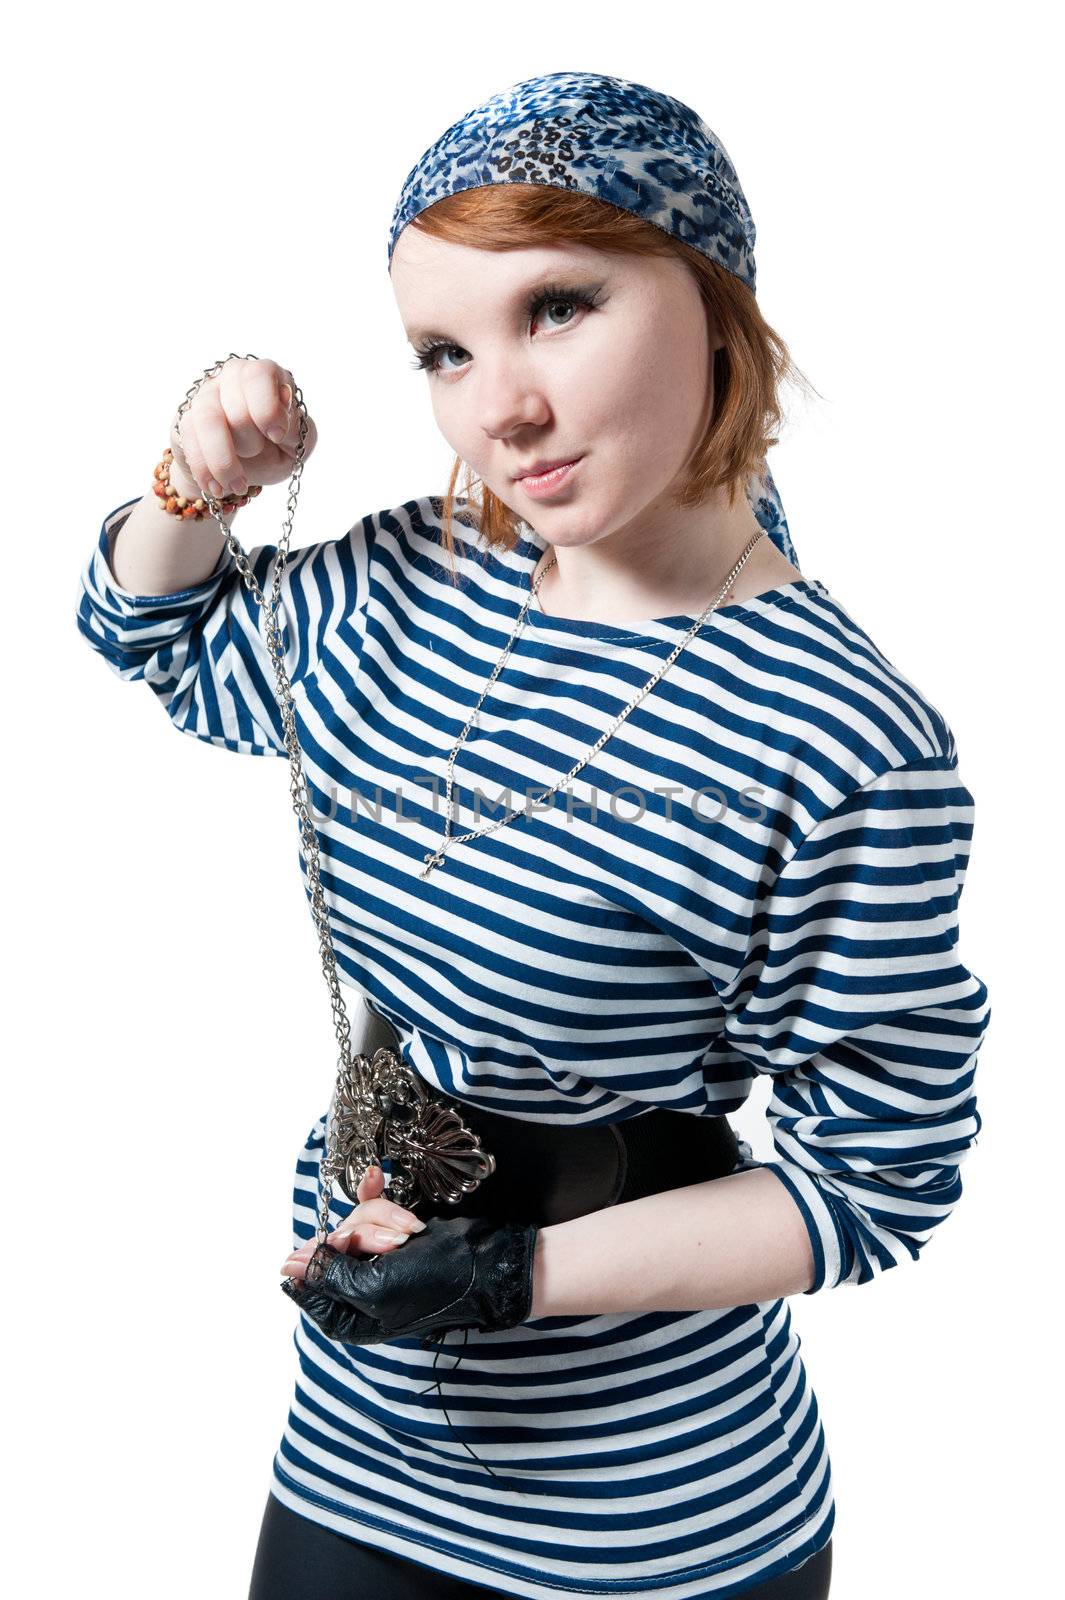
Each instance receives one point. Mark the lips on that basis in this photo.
(555, 481)
(538, 468)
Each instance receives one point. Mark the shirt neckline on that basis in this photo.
(531, 546)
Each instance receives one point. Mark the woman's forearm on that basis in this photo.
(722, 1243)
(155, 552)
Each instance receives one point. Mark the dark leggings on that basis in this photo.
(298, 1559)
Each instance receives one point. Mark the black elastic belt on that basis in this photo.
(549, 1172)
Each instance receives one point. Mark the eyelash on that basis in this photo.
(549, 294)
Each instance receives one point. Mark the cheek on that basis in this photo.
(455, 428)
(646, 399)
(673, 374)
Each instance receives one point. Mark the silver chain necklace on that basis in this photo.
(435, 858)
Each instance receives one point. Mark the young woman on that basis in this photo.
(616, 809)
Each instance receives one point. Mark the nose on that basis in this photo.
(509, 399)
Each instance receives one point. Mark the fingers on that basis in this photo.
(239, 384)
(209, 446)
(242, 426)
(375, 1211)
(265, 393)
(375, 1225)
(373, 1181)
(359, 1243)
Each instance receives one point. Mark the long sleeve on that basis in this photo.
(853, 997)
(203, 651)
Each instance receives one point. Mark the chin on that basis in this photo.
(572, 525)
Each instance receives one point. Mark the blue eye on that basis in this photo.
(427, 356)
(552, 296)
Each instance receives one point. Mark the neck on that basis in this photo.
(634, 574)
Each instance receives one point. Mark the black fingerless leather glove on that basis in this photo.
(461, 1272)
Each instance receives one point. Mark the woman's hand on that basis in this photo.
(375, 1225)
(241, 427)
(461, 1272)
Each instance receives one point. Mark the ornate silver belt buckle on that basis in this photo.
(383, 1111)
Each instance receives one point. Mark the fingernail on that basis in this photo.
(275, 434)
(215, 488)
(415, 1225)
(386, 1236)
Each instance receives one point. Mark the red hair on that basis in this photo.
(749, 368)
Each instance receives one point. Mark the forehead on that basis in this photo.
(432, 278)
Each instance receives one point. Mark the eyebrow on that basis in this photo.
(552, 278)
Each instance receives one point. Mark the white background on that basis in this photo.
(192, 180)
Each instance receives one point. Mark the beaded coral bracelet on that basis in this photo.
(193, 510)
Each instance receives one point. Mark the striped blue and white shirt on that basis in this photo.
(758, 873)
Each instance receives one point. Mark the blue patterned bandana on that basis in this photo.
(618, 141)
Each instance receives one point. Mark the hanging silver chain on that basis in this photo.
(435, 858)
(350, 1069)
